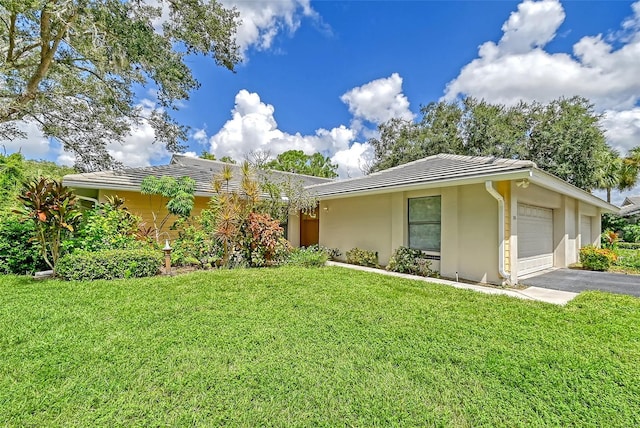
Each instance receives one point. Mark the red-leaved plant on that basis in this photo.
(265, 239)
(53, 209)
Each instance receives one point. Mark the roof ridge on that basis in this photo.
(181, 156)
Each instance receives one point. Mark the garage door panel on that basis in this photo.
(535, 238)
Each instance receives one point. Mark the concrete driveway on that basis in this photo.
(576, 280)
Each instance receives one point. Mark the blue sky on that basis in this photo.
(321, 75)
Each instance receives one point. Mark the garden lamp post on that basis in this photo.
(167, 257)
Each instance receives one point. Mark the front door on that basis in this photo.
(309, 228)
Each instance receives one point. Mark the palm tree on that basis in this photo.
(608, 172)
(628, 172)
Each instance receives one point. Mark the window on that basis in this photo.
(424, 223)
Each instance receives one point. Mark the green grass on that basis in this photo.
(304, 347)
(628, 261)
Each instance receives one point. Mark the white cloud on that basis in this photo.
(33, 146)
(601, 68)
(200, 135)
(622, 129)
(253, 128)
(263, 20)
(379, 100)
(353, 161)
(138, 149)
(517, 68)
(260, 21)
(533, 25)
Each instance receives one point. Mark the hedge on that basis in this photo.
(109, 264)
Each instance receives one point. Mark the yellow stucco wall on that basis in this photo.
(144, 205)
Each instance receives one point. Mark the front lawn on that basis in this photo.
(293, 346)
(628, 261)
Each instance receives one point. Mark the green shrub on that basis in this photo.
(109, 264)
(195, 246)
(332, 253)
(312, 256)
(631, 233)
(109, 226)
(594, 258)
(407, 260)
(357, 256)
(613, 222)
(19, 250)
(628, 259)
(629, 245)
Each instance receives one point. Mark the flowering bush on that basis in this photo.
(594, 258)
(609, 239)
(264, 240)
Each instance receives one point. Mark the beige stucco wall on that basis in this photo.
(469, 241)
(293, 230)
(363, 222)
(567, 213)
(379, 223)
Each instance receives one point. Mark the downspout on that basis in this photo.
(498, 197)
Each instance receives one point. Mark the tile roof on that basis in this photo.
(435, 168)
(201, 170)
(631, 200)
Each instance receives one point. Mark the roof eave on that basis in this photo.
(551, 182)
(460, 181)
(106, 186)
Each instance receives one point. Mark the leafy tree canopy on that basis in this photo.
(14, 170)
(563, 137)
(300, 163)
(72, 66)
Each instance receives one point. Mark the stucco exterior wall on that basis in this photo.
(293, 230)
(478, 235)
(567, 213)
(363, 222)
(469, 224)
(145, 205)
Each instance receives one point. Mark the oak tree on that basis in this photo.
(74, 66)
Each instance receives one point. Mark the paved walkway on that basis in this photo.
(557, 297)
(576, 280)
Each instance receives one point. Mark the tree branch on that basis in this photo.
(12, 36)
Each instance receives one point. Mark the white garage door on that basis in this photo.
(585, 230)
(535, 239)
